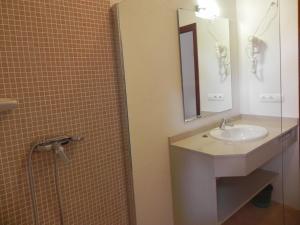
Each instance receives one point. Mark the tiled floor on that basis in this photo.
(250, 215)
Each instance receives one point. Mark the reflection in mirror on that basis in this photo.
(205, 64)
(190, 69)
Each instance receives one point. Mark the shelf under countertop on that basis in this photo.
(234, 193)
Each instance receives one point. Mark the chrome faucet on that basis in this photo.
(56, 144)
(225, 123)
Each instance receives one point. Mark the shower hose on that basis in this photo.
(32, 187)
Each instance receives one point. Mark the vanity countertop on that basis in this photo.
(204, 143)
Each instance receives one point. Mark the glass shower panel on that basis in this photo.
(258, 31)
(289, 77)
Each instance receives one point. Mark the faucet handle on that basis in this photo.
(222, 123)
(229, 122)
(76, 138)
(225, 122)
(60, 152)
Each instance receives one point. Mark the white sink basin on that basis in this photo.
(239, 132)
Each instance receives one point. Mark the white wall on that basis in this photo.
(251, 87)
(249, 16)
(153, 83)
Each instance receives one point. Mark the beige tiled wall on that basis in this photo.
(57, 58)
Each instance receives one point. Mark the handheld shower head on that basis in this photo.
(56, 146)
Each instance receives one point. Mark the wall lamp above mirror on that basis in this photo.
(207, 9)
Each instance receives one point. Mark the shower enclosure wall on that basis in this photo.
(58, 61)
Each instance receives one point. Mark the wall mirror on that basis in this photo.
(205, 64)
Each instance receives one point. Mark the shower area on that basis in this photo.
(59, 79)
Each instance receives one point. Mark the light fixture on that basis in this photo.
(207, 9)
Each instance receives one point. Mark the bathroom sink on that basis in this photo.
(239, 132)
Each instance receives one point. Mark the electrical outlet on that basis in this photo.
(272, 98)
(216, 97)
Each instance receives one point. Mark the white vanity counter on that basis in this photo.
(240, 158)
(204, 143)
(212, 179)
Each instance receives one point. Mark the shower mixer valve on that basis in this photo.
(56, 145)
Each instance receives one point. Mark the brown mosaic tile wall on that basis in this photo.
(57, 58)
